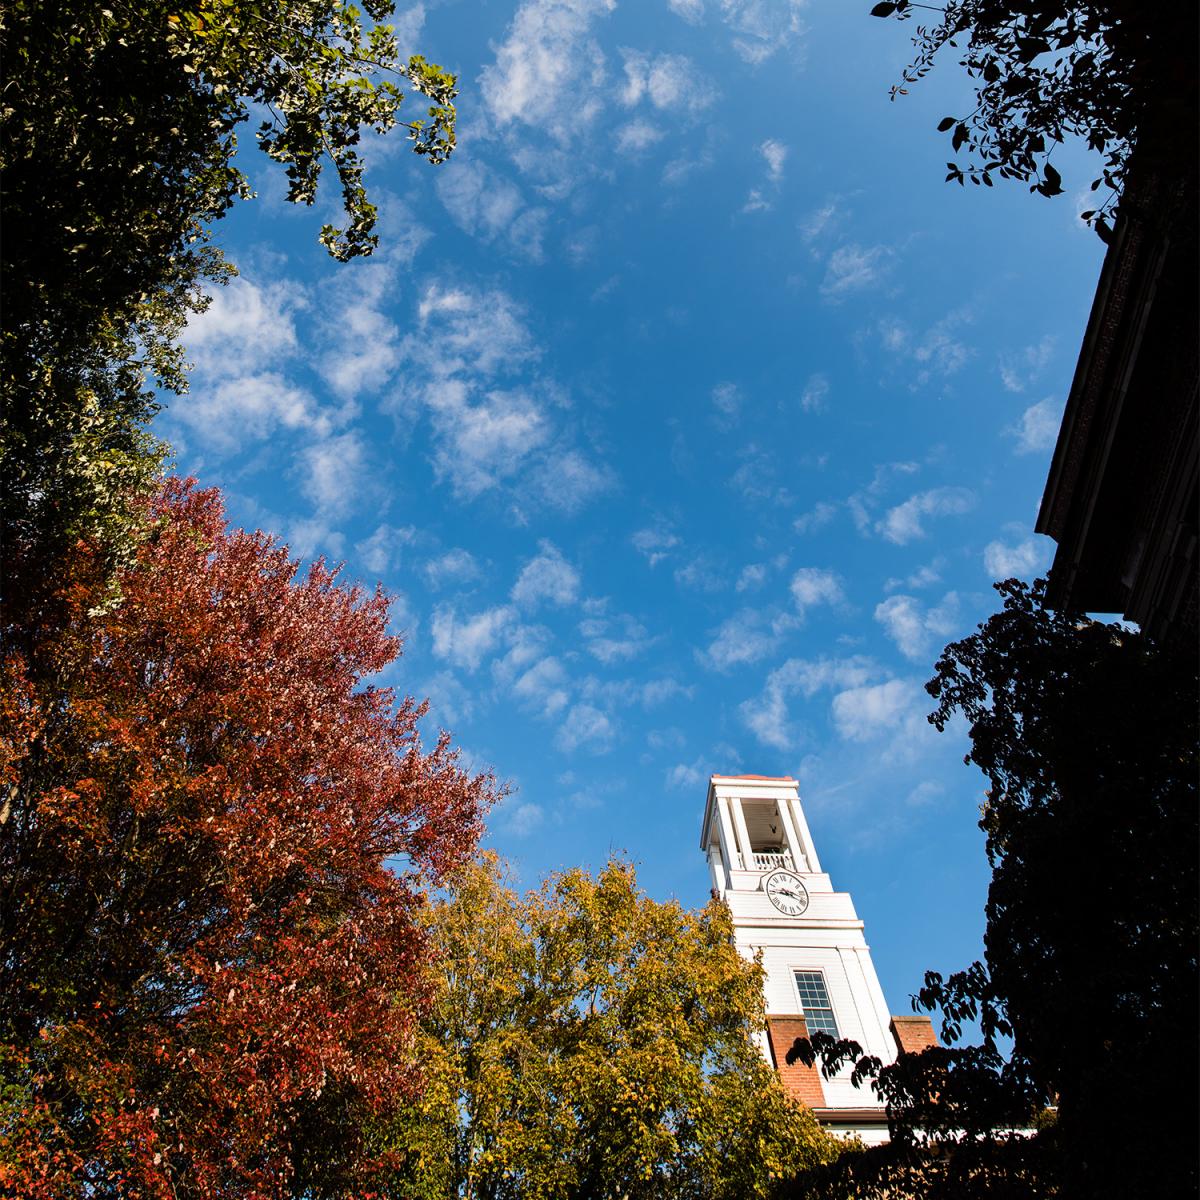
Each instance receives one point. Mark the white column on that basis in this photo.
(810, 851)
(793, 842)
(743, 834)
(716, 870)
(725, 834)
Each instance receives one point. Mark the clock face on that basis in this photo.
(787, 893)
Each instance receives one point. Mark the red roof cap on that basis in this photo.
(772, 778)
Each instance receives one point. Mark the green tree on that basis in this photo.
(118, 134)
(586, 1041)
(1087, 996)
(1118, 74)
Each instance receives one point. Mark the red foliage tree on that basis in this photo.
(213, 838)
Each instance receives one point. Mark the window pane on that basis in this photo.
(814, 1000)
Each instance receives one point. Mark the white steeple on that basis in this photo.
(818, 969)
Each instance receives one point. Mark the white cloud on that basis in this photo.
(753, 576)
(927, 792)
(465, 330)
(746, 637)
(549, 70)
(690, 10)
(566, 480)
(526, 645)
(614, 639)
(691, 776)
(308, 535)
(852, 268)
(1038, 428)
(918, 631)
(548, 576)
(768, 716)
(863, 503)
(727, 400)
(671, 738)
(466, 641)
(668, 81)
(937, 352)
(862, 714)
(894, 334)
(238, 395)
(761, 28)
(812, 586)
(892, 715)
(680, 169)
(487, 442)
(815, 394)
(333, 473)
(544, 686)
(700, 574)
(920, 578)
(230, 413)
(820, 221)
(637, 135)
(654, 544)
(757, 479)
(586, 726)
(380, 552)
(246, 327)
(486, 205)
(659, 691)
(524, 819)
(479, 200)
(450, 701)
(488, 436)
(363, 345)
(605, 289)
(775, 153)
(455, 566)
(905, 522)
(408, 24)
(756, 202)
(1025, 560)
(1019, 370)
(816, 518)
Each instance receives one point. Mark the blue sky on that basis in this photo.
(686, 413)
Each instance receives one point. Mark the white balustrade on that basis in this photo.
(771, 861)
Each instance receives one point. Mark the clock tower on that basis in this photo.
(819, 974)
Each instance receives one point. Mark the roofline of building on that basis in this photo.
(851, 1116)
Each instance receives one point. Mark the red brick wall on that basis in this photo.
(802, 1082)
(913, 1034)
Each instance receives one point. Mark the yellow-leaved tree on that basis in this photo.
(589, 1041)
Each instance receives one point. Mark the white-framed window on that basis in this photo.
(815, 1003)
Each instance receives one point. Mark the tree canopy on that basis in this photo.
(1086, 998)
(586, 1041)
(213, 840)
(118, 141)
(1117, 74)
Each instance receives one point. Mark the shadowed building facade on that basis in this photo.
(1122, 498)
(817, 963)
